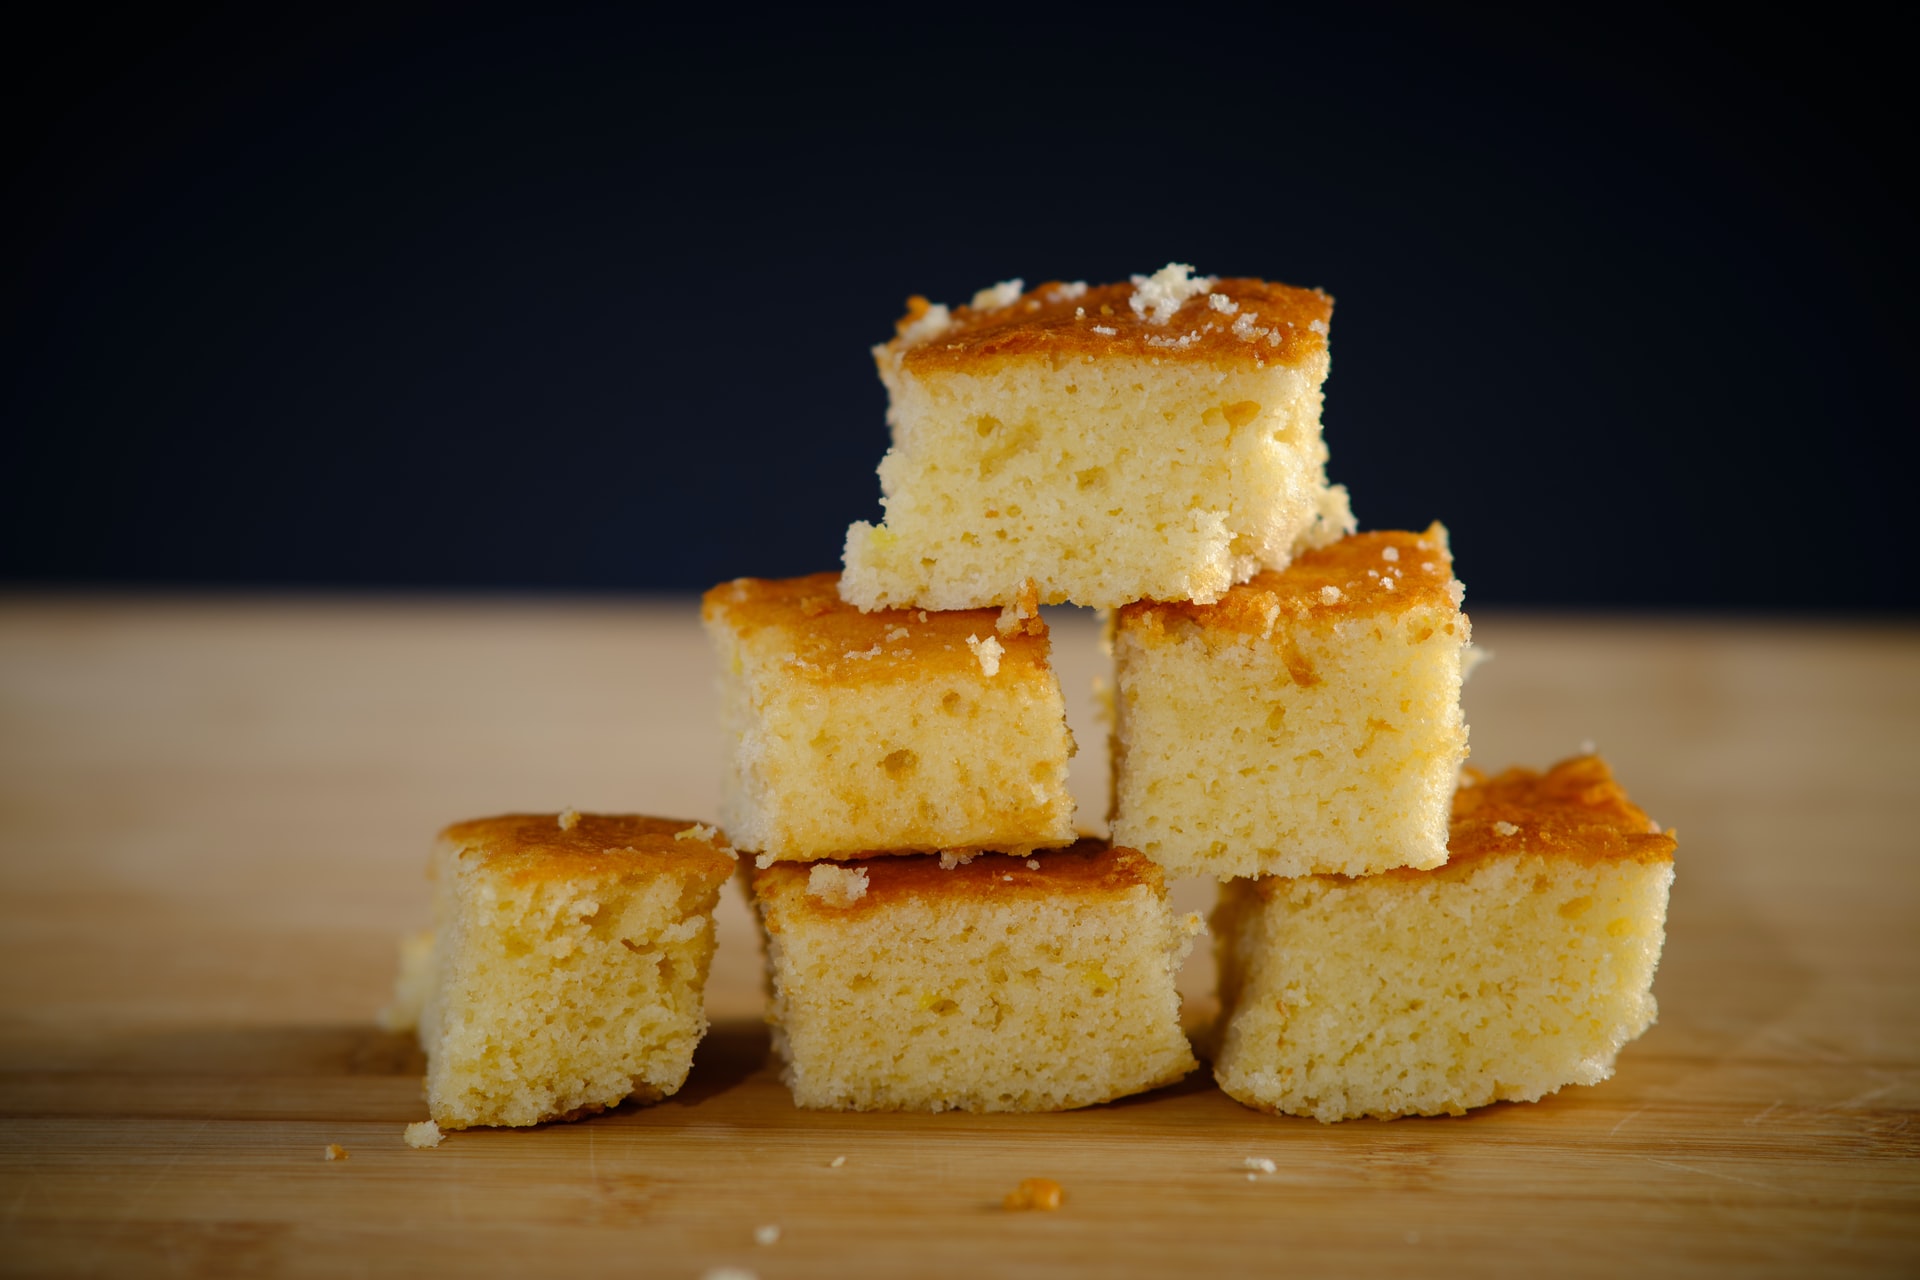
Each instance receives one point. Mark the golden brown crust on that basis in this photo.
(1574, 811)
(832, 642)
(1086, 869)
(1276, 324)
(1349, 579)
(534, 846)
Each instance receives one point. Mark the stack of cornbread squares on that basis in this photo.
(1395, 934)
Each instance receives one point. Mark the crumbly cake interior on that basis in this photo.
(1307, 722)
(1102, 455)
(901, 730)
(568, 964)
(997, 984)
(1520, 967)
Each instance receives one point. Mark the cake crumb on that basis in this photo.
(1105, 332)
(728, 1273)
(898, 633)
(1033, 864)
(1389, 553)
(1004, 294)
(424, 1134)
(569, 819)
(337, 1152)
(1318, 326)
(928, 321)
(1456, 592)
(1589, 747)
(988, 651)
(1261, 1164)
(1330, 595)
(698, 831)
(835, 885)
(923, 615)
(951, 858)
(769, 1234)
(1034, 1193)
(836, 1162)
(1505, 829)
(1222, 303)
(1156, 297)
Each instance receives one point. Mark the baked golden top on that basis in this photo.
(832, 642)
(1085, 869)
(1253, 323)
(1575, 810)
(1359, 576)
(525, 847)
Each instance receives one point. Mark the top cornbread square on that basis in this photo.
(1307, 722)
(895, 731)
(1153, 440)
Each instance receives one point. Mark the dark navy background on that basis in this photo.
(452, 297)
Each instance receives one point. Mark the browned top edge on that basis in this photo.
(1086, 869)
(828, 641)
(534, 846)
(1362, 575)
(1266, 324)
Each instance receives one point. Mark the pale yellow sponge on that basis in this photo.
(996, 984)
(1308, 722)
(569, 963)
(898, 731)
(1522, 965)
(1158, 439)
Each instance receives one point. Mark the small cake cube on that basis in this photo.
(1522, 965)
(569, 963)
(901, 730)
(998, 983)
(1308, 722)
(1158, 439)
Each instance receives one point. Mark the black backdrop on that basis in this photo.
(462, 297)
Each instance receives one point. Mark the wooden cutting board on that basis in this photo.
(214, 816)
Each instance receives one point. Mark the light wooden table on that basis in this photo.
(213, 820)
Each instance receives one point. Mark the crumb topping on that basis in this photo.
(336, 1152)
(767, 1235)
(989, 652)
(996, 297)
(1157, 297)
(569, 819)
(835, 885)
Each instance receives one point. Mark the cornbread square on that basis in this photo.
(996, 984)
(1308, 722)
(900, 730)
(570, 955)
(1159, 439)
(1521, 966)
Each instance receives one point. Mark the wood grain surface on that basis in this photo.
(214, 816)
